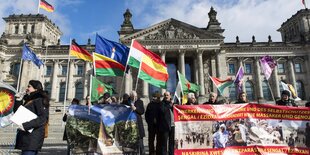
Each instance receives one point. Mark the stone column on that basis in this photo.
(71, 87)
(240, 62)
(213, 72)
(128, 82)
(163, 57)
(276, 83)
(292, 72)
(259, 88)
(24, 77)
(55, 80)
(181, 65)
(145, 89)
(200, 72)
(87, 73)
(307, 85)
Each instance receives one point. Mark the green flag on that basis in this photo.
(186, 86)
(98, 88)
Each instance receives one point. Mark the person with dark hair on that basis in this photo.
(126, 100)
(285, 99)
(242, 98)
(307, 104)
(74, 101)
(307, 134)
(105, 99)
(165, 126)
(137, 106)
(37, 101)
(151, 118)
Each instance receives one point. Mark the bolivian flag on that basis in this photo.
(46, 6)
(77, 51)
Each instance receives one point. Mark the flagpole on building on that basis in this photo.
(67, 78)
(39, 6)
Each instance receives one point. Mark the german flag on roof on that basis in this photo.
(46, 6)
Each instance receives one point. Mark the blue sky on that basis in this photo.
(81, 19)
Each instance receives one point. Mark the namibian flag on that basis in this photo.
(221, 84)
(152, 69)
(46, 6)
(105, 66)
(78, 51)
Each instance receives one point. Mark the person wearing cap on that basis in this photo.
(285, 99)
(151, 118)
(35, 100)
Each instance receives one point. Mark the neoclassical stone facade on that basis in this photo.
(196, 52)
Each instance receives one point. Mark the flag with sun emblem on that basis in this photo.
(98, 88)
(7, 94)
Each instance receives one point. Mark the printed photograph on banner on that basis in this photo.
(278, 132)
(193, 134)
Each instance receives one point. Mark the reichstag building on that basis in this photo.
(195, 52)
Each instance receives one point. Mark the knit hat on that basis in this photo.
(286, 92)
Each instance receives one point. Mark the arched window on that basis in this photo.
(249, 90)
(172, 81)
(232, 92)
(14, 70)
(16, 29)
(300, 89)
(79, 91)
(62, 90)
(48, 88)
(266, 91)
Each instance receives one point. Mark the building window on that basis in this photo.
(231, 68)
(15, 69)
(248, 68)
(300, 89)
(16, 29)
(266, 91)
(25, 29)
(48, 71)
(64, 70)
(79, 91)
(62, 91)
(281, 68)
(249, 90)
(297, 67)
(48, 88)
(32, 28)
(232, 92)
(80, 69)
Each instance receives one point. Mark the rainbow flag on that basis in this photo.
(105, 66)
(221, 84)
(152, 69)
(46, 6)
(77, 51)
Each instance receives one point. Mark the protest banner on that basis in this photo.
(104, 129)
(241, 129)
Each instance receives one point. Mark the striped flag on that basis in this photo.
(46, 6)
(105, 66)
(151, 68)
(221, 84)
(77, 51)
(186, 85)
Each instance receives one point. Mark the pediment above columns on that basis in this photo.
(173, 30)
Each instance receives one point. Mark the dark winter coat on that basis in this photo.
(164, 117)
(151, 114)
(288, 102)
(140, 111)
(33, 140)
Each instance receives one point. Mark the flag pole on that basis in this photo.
(39, 6)
(138, 75)
(19, 72)
(120, 93)
(271, 91)
(67, 78)
(90, 92)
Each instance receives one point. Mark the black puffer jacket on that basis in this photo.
(34, 140)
